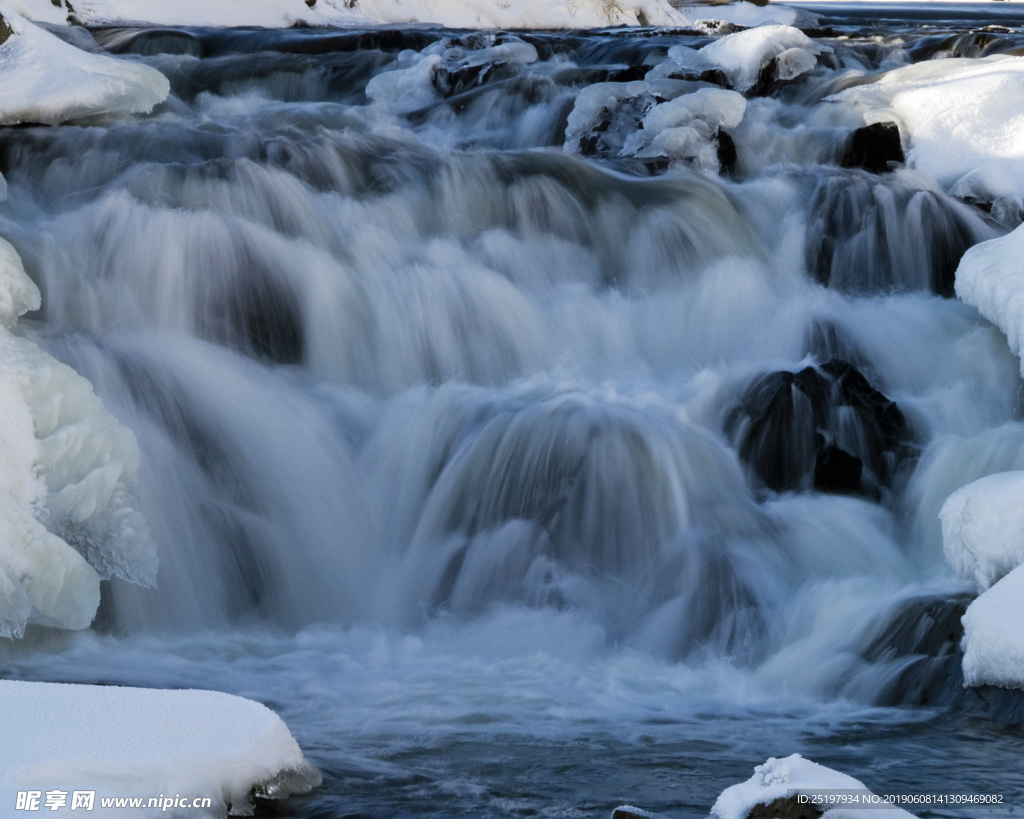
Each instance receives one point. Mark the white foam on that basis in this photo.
(142, 742)
(45, 80)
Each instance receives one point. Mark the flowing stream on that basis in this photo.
(524, 473)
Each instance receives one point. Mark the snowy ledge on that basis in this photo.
(535, 14)
(134, 743)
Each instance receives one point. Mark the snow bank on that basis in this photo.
(983, 528)
(962, 119)
(993, 641)
(43, 79)
(452, 13)
(67, 476)
(122, 742)
(776, 778)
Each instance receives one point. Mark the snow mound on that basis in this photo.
(68, 515)
(45, 80)
(990, 279)
(983, 528)
(962, 117)
(777, 778)
(122, 742)
(993, 640)
(470, 14)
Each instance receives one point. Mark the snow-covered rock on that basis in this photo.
(983, 528)
(67, 476)
(962, 118)
(134, 742)
(993, 642)
(990, 279)
(45, 80)
(778, 778)
(508, 14)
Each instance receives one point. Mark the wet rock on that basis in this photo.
(785, 808)
(921, 638)
(631, 812)
(726, 152)
(824, 428)
(836, 470)
(874, 147)
(874, 234)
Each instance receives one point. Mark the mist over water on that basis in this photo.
(513, 466)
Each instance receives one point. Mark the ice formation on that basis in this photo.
(68, 515)
(778, 778)
(961, 118)
(508, 14)
(135, 742)
(45, 80)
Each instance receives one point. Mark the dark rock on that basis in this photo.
(629, 812)
(836, 470)
(311, 3)
(726, 151)
(873, 147)
(785, 808)
(5, 30)
(630, 74)
(789, 429)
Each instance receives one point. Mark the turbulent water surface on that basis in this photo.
(526, 459)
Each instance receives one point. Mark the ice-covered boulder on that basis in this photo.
(961, 118)
(744, 55)
(782, 780)
(45, 80)
(653, 120)
(114, 742)
(68, 514)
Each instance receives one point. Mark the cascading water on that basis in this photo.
(477, 433)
